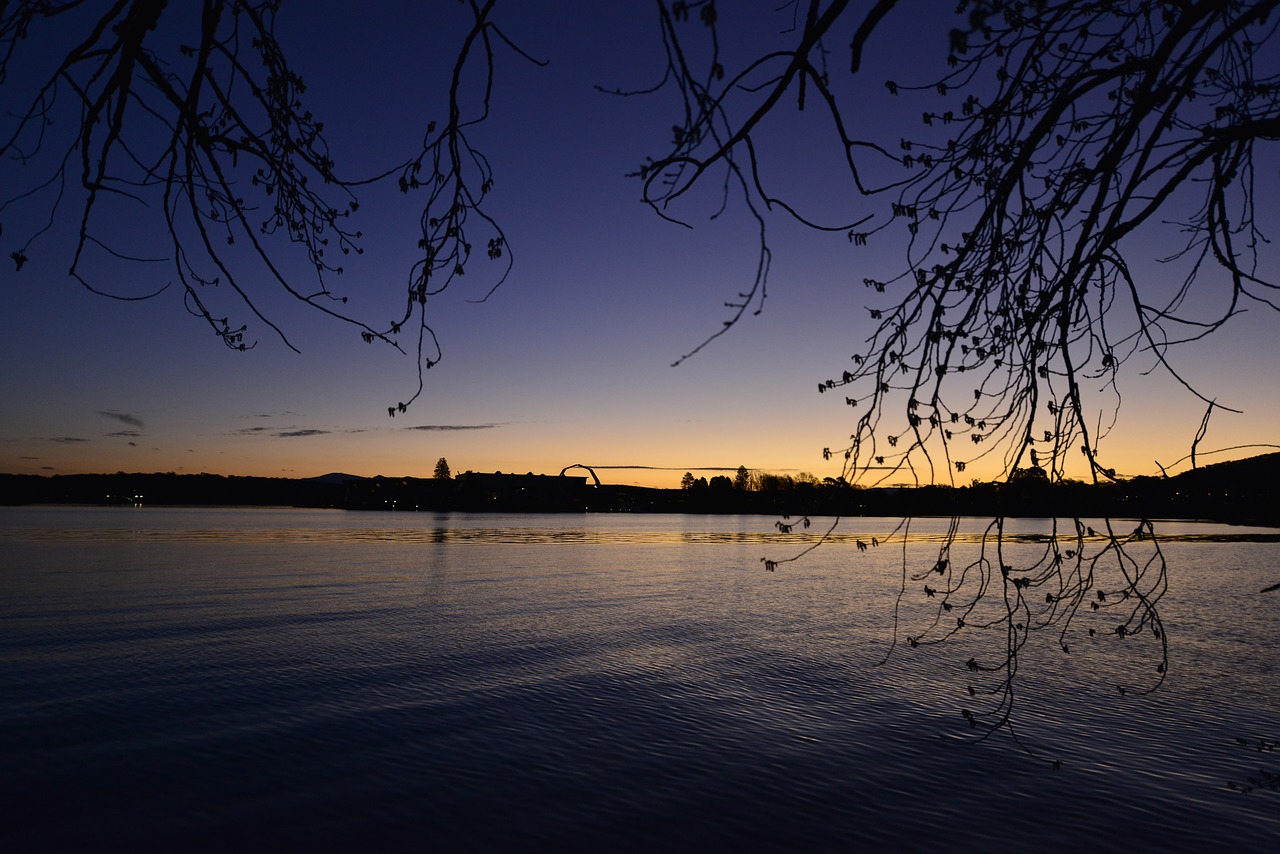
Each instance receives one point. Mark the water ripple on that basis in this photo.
(560, 536)
(612, 684)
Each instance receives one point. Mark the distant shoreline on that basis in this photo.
(1242, 492)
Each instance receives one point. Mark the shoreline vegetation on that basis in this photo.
(1239, 492)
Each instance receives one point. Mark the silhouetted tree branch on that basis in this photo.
(456, 177)
(213, 131)
(1058, 130)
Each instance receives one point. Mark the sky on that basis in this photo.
(570, 361)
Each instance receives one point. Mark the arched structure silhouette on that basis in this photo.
(581, 466)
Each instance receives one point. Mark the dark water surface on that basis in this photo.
(279, 679)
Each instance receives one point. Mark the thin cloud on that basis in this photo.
(443, 427)
(288, 434)
(66, 440)
(124, 434)
(122, 417)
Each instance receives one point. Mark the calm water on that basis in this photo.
(225, 679)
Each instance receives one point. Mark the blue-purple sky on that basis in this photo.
(570, 361)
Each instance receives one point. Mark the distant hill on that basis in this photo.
(1243, 491)
(336, 478)
(1250, 473)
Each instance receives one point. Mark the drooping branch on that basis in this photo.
(457, 178)
(214, 133)
(1057, 132)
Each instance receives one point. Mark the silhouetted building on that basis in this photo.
(399, 493)
(536, 493)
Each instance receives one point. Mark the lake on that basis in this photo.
(187, 679)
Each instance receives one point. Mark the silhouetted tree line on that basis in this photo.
(1241, 491)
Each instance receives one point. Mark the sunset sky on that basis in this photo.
(570, 360)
